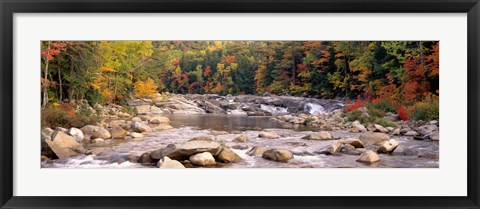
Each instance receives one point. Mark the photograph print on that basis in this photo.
(239, 104)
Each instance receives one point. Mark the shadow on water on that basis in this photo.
(230, 122)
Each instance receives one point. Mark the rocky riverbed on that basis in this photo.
(188, 131)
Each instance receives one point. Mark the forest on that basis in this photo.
(404, 74)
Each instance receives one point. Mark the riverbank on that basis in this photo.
(285, 132)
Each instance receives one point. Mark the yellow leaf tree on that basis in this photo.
(145, 89)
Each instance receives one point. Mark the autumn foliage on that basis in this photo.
(354, 106)
(145, 89)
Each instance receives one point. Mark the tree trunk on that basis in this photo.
(45, 81)
(60, 92)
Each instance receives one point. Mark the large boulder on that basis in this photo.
(257, 151)
(388, 146)
(427, 129)
(228, 156)
(374, 138)
(162, 126)
(202, 159)
(279, 155)
(140, 127)
(145, 159)
(435, 137)
(118, 132)
(354, 142)
(159, 119)
(350, 150)
(331, 149)
(379, 128)
(241, 138)
(148, 109)
(321, 135)
(102, 133)
(184, 150)
(76, 133)
(268, 135)
(368, 156)
(62, 146)
(166, 162)
(88, 130)
(361, 128)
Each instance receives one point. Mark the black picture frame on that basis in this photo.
(10, 7)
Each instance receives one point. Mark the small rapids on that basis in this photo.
(274, 110)
(314, 109)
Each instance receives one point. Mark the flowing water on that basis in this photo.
(116, 153)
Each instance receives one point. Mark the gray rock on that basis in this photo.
(350, 150)
(166, 162)
(241, 138)
(203, 138)
(101, 133)
(321, 135)
(374, 138)
(354, 142)
(356, 124)
(140, 127)
(62, 146)
(76, 133)
(268, 135)
(184, 150)
(279, 155)
(331, 149)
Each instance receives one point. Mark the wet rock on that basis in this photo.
(228, 156)
(411, 133)
(203, 138)
(321, 135)
(296, 144)
(140, 127)
(300, 151)
(166, 162)
(136, 119)
(145, 159)
(101, 133)
(159, 120)
(97, 140)
(217, 133)
(136, 135)
(184, 150)
(241, 138)
(279, 155)
(427, 129)
(162, 126)
(62, 146)
(88, 130)
(331, 149)
(143, 118)
(240, 146)
(435, 137)
(268, 135)
(350, 150)
(380, 128)
(388, 146)
(402, 150)
(76, 133)
(369, 157)
(356, 124)
(202, 159)
(133, 158)
(396, 132)
(257, 151)
(374, 138)
(118, 132)
(352, 141)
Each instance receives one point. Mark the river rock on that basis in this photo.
(427, 129)
(136, 119)
(402, 150)
(350, 150)
(140, 127)
(97, 140)
(268, 135)
(102, 133)
(203, 138)
(184, 150)
(166, 162)
(354, 142)
(145, 159)
(356, 124)
(162, 126)
(159, 119)
(64, 130)
(218, 133)
(374, 138)
(321, 135)
(241, 138)
(76, 133)
(62, 146)
(331, 149)
(411, 133)
(144, 118)
(136, 135)
(380, 128)
(388, 146)
(228, 156)
(396, 132)
(240, 146)
(368, 156)
(257, 151)
(279, 155)
(88, 130)
(118, 132)
(148, 109)
(435, 137)
(202, 159)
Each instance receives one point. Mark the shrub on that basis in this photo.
(403, 113)
(384, 122)
(384, 105)
(354, 106)
(375, 112)
(425, 111)
(130, 110)
(357, 115)
(309, 120)
(66, 115)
